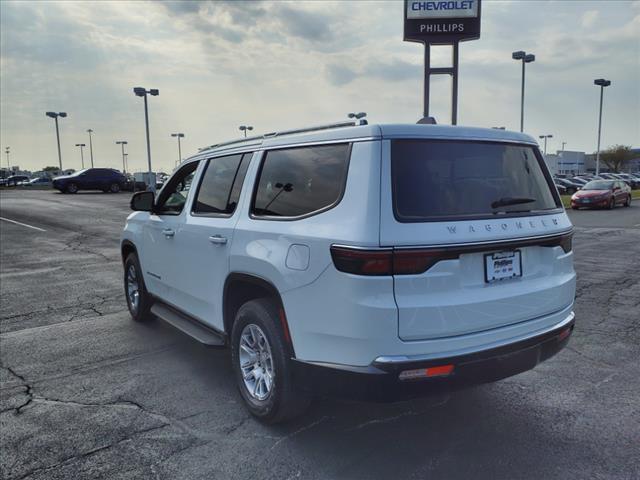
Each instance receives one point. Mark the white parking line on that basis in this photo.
(23, 224)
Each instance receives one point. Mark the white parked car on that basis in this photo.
(377, 262)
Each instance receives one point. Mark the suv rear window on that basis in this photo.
(299, 181)
(437, 180)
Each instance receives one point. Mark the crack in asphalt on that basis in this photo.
(87, 454)
(78, 309)
(300, 430)
(28, 391)
(78, 244)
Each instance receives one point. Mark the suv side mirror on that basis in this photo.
(142, 201)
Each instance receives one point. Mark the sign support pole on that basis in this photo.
(427, 77)
(453, 71)
(454, 86)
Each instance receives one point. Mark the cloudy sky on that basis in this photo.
(277, 65)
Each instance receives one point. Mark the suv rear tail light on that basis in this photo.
(389, 261)
(362, 262)
(386, 262)
(566, 242)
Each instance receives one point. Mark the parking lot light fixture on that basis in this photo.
(525, 58)
(89, 131)
(122, 143)
(545, 141)
(601, 82)
(81, 145)
(359, 117)
(244, 128)
(142, 92)
(55, 116)
(179, 136)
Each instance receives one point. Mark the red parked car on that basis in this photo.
(603, 194)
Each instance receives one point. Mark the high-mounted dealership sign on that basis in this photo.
(441, 22)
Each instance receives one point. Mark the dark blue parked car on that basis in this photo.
(105, 179)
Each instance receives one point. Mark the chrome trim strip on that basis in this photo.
(448, 245)
(400, 359)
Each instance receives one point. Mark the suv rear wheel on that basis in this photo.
(261, 363)
(138, 299)
(114, 188)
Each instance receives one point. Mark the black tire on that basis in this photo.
(574, 208)
(142, 312)
(114, 188)
(71, 188)
(628, 202)
(612, 203)
(284, 401)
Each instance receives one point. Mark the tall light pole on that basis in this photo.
(526, 58)
(142, 92)
(126, 160)
(90, 146)
(545, 142)
(601, 82)
(179, 135)
(81, 145)
(55, 116)
(563, 144)
(122, 143)
(6, 150)
(244, 128)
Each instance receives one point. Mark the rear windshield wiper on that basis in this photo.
(506, 201)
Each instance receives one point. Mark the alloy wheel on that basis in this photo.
(256, 362)
(133, 289)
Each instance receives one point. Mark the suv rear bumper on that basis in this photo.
(380, 382)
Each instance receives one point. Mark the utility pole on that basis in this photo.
(142, 92)
(90, 146)
(545, 142)
(122, 143)
(81, 145)
(601, 82)
(179, 136)
(55, 116)
(526, 58)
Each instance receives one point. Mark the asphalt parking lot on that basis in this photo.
(87, 393)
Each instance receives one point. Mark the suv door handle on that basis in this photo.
(167, 232)
(217, 239)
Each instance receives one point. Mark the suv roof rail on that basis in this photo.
(327, 126)
(231, 142)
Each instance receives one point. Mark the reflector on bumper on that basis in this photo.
(437, 371)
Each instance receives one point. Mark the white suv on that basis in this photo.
(375, 262)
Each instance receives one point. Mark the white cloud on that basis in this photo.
(589, 18)
(279, 65)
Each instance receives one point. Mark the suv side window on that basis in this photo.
(221, 183)
(174, 195)
(300, 181)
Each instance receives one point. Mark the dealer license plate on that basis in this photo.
(501, 265)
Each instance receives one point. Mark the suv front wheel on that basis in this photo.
(138, 299)
(261, 363)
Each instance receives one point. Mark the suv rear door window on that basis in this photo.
(437, 180)
(299, 181)
(221, 184)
